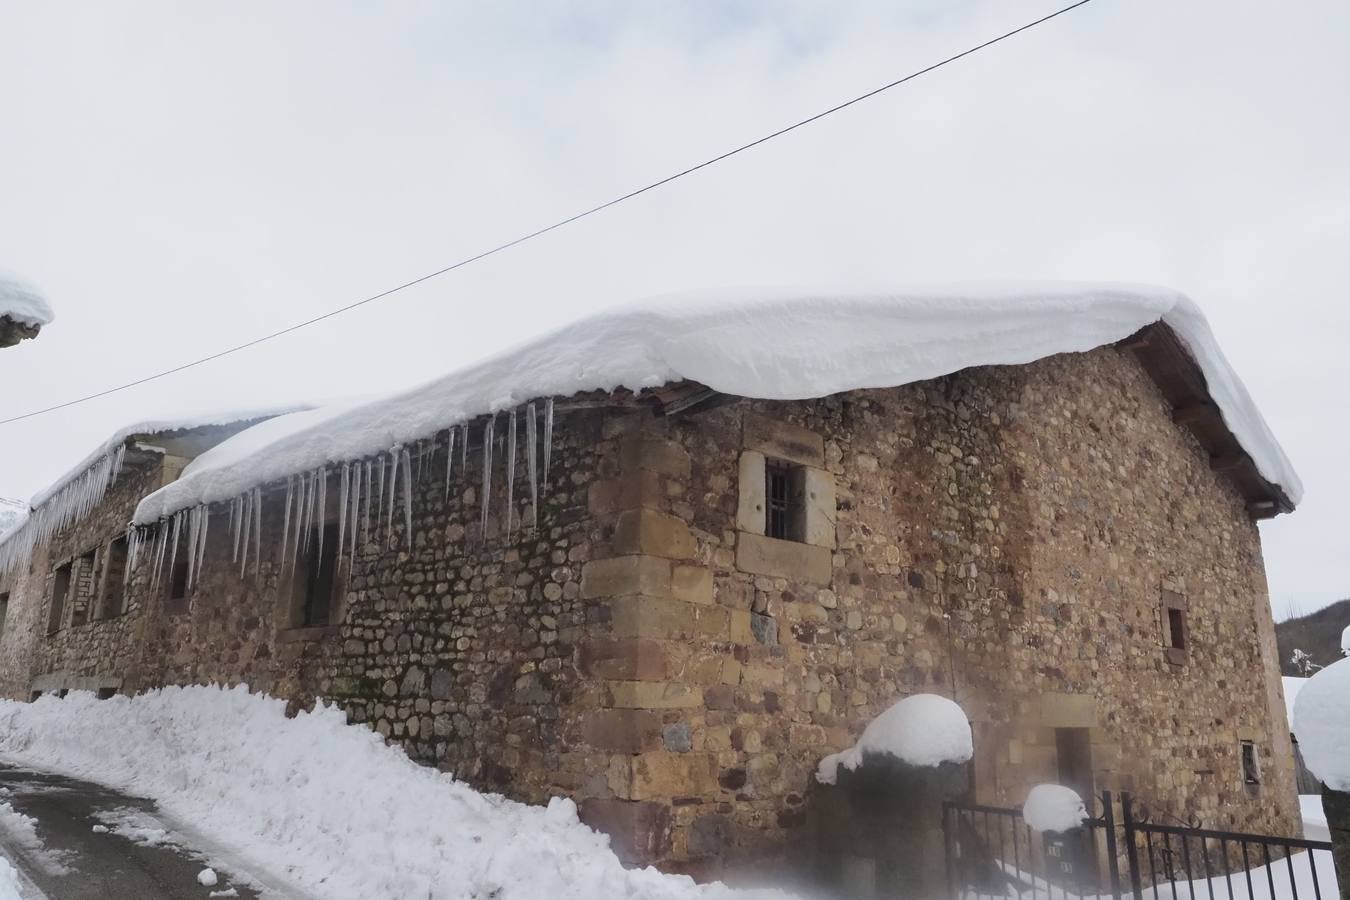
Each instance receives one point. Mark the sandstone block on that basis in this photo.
(632, 490)
(645, 617)
(750, 508)
(645, 531)
(778, 439)
(692, 584)
(665, 774)
(639, 832)
(654, 454)
(622, 730)
(794, 561)
(629, 659)
(654, 695)
(642, 575)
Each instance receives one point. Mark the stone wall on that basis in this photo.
(1009, 535)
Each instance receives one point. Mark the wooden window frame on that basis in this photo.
(1176, 633)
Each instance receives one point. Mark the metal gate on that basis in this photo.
(992, 852)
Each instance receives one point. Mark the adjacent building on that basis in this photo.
(667, 559)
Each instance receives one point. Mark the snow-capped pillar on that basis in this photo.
(1322, 726)
(1336, 807)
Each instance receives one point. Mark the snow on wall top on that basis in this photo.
(1322, 725)
(763, 343)
(922, 730)
(23, 303)
(1053, 807)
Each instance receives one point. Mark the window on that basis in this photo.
(1251, 765)
(176, 596)
(83, 582)
(316, 581)
(4, 611)
(784, 501)
(1175, 633)
(60, 587)
(105, 692)
(113, 579)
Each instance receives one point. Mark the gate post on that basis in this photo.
(1131, 846)
(1113, 865)
(947, 847)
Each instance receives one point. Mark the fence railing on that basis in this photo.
(992, 852)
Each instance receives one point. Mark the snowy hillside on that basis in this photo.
(323, 806)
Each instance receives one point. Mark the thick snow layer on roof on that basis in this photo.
(23, 303)
(1053, 807)
(1322, 725)
(325, 808)
(771, 344)
(1292, 686)
(161, 425)
(922, 730)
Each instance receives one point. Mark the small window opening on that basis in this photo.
(60, 587)
(785, 506)
(84, 579)
(113, 579)
(4, 611)
(1251, 765)
(1176, 629)
(105, 692)
(176, 598)
(316, 580)
(62, 693)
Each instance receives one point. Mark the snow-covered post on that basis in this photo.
(880, 815)
(1322, 726)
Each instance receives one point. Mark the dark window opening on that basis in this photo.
(316, 580)
(105, 692)
(1176, 629)
(4, 611)
(1251, 766)
(113, 579)
(784, 506)
(84, 578)
(62, 693)
(176, 600)
(60, 587)
(32, 698)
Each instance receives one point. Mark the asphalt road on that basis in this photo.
(75, 862)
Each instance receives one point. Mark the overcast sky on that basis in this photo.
(181, 177)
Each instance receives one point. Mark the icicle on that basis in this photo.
(257, 533)
(161, 542)
(344, 489)
(449, 458)
(510, 473)
(102, 576)
(118, 458)
(307, 509)
(194, 522)
(299, 525)
(321, 508)
(201, 539)
(286, 522)
(177, 527)
(464, 449)
(236, 524)
(246, 512)
(407, 499)
(548, 439)
(379, 504)
(355, 510)
(531, 463)
(393, 485)
(487, 472)
(365, 519)
(418, 479)
(133, 553)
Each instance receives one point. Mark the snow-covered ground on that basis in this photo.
(1314, 818)
(324, 807)
(9, 881)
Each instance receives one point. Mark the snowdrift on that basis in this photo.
(323, 806)
(771, 344)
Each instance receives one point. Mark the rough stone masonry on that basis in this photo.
(1044, 543)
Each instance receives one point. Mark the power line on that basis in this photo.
(545, 230)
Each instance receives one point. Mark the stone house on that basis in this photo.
(669, 602)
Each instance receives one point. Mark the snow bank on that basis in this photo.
(1053, 807)
(1292, 685)
(10, 882)
(22, 303)
(1314, 817)
(922, 730)
(1345, 641)
(322, 806)
(772, 344)
(1322, 725)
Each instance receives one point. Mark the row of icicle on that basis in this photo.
(67, 505)
(368, 491)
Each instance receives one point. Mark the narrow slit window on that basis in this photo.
(4, 611)
(1176, 629)
(84, 577)
(784, 506)
(176, 600)
(113, 578)
(1251, 764)
(316, 580)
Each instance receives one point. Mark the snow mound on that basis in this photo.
(326, 807)
(1292, 685)
(1322, 725)
(1053, 807)
(22, 303)
(922, 730)
(771, 344)
(11, 885)
(207, 877)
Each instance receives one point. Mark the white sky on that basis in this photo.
(177, 178)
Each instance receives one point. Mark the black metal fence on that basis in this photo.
(992, 852)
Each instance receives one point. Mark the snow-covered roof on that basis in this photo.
(22, 302)
(764, 343)
(70, 497)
